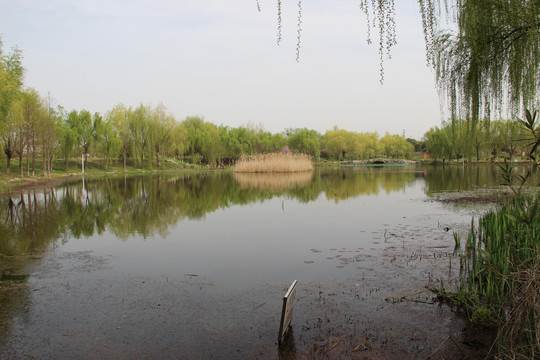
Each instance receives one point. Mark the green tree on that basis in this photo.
(266, 142)
(139, 128)
(81, 125)
(68, 141)
(161, 132)
(35, 114)
(511, 135)
(106, 142)
(396, 146)
(438, 143)
(339, 143)
(479, 136)
(304, 141)
(118, 119)
(49, 135)
(203, 141)
(26, 112)
(11, 82)
(179, 140)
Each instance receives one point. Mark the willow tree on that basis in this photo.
(11, 86)
(492, 60)
(489, 61)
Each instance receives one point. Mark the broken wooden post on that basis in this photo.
(287, 310)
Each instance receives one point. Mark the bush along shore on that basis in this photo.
(500, 287)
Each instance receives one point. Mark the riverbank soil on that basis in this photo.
(67, 307)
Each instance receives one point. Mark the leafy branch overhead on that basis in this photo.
(531, 124)
(485, 53)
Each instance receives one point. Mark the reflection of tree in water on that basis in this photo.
(365, 181)
(149, 205)
(28, 222)
(455, 178)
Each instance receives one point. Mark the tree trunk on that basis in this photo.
(8, 162)
(9, 154)
(21, 164)
(33, 156)
(27, 162)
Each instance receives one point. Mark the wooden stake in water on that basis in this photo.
(287, 310)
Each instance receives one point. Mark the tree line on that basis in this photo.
(482, 139)
(34, 129)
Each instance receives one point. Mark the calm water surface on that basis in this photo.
(235, 231)
(231, 233)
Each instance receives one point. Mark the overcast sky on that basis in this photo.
(219, 59)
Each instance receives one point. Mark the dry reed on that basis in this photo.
(519, 337)
(273, 163)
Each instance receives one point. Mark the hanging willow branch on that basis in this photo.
(299, 30)
(489, 62)
(493, 60)
(278, 22)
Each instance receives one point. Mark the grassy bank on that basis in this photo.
(93, 167)
(501, 276)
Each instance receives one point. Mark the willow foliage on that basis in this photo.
(485, 60)
(491, 61)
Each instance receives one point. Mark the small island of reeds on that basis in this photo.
(273, 163)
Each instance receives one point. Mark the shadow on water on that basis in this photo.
(38, 220)
(287, 348)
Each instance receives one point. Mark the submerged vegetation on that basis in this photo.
(274, 163)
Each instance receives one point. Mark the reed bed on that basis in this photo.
(273, 163)
(273, 181)
(501, 283)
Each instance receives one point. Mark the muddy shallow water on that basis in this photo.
(195, 267)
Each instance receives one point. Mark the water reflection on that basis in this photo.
(456, 178)
(150, 205)
(287, 348)
(355, 182)
(273, 181)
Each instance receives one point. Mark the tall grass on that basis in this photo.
(273, 163)
(501, 283)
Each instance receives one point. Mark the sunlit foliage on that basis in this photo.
(487, 140)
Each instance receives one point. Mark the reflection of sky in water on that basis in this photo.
(274, 241)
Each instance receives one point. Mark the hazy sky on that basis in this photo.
(219, 59)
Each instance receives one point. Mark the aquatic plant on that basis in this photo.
(273, 163)
(501, 276)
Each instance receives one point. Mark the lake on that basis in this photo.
(194, 265)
